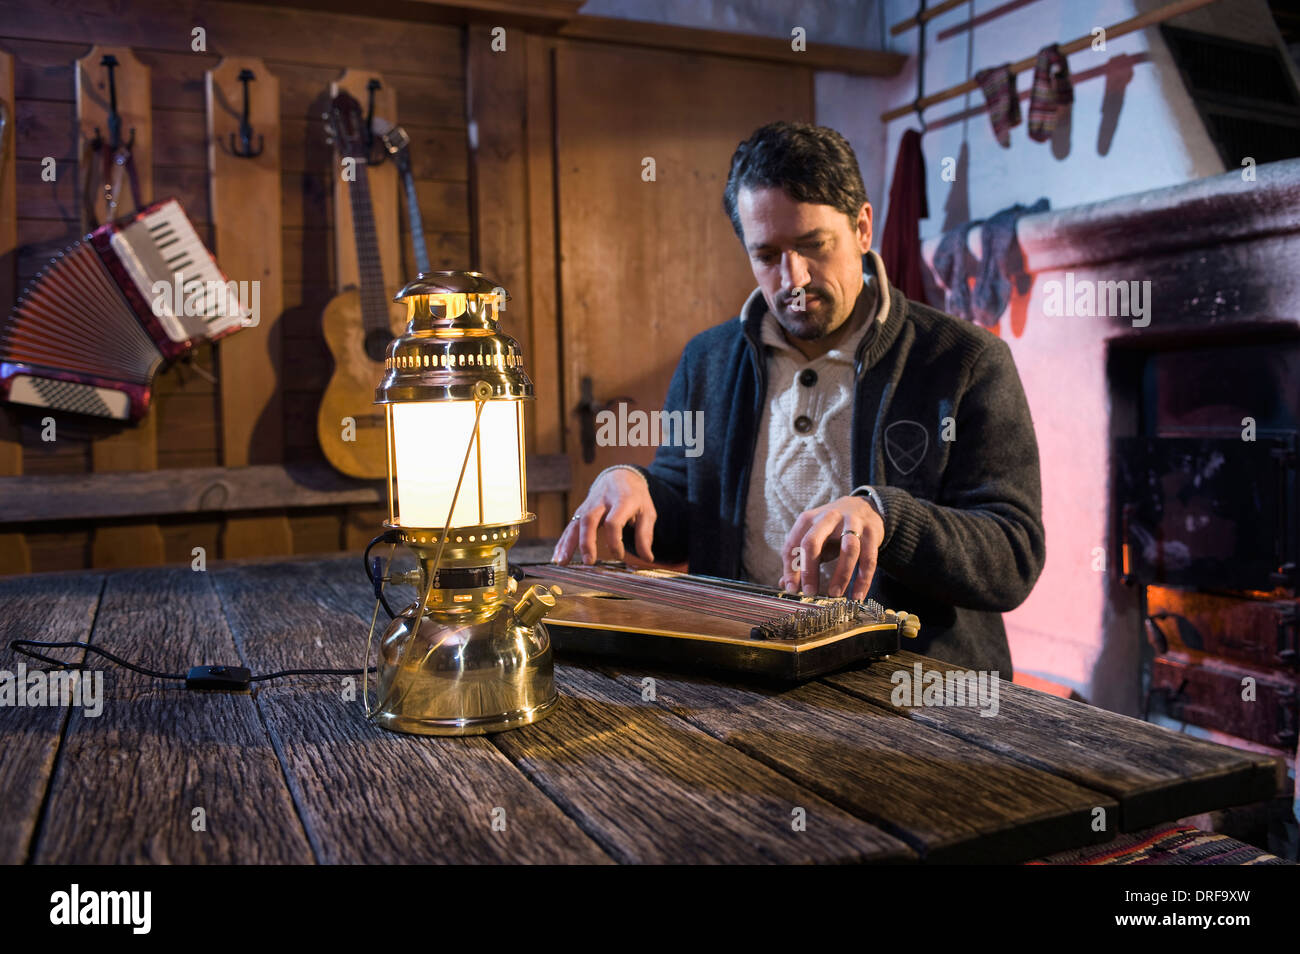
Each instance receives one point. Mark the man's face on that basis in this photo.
(801, 245)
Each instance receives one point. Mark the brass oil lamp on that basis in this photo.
(469, 656)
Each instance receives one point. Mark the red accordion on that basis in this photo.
(90, 332)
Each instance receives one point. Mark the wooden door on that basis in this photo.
(647, 263)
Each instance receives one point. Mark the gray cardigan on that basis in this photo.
(964, 536)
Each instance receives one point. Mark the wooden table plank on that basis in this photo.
(949, 801)
(708, 771)
(129, 780)
(1155, 774)
(365, 794)
(653, 789)
(57, 607)
(650, 788)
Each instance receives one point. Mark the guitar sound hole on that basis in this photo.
(377, 345)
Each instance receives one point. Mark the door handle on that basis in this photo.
(587, 410)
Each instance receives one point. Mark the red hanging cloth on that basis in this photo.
(900, 248)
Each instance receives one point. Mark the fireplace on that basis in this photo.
(1167, 439)
(1205, 498)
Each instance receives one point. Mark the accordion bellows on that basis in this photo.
(91, 331)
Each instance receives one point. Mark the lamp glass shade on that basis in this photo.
(429, 439)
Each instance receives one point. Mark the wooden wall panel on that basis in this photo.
(497, 104)
(316, 532)
(57, 550)
(135, 106)
(8, 188)
(512, 184)
(645, 264)
(129, 447)
(47, 40)
(246, 210)
(14, 556)
(307, 37)
(543, 288)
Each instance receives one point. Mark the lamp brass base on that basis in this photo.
(414, 725)
(473, 664)
(465, 671)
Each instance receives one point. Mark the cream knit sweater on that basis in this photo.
(802, 458)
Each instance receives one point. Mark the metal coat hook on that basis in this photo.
(373, 156)
(245, 148)
(114, 118)
(372, 87)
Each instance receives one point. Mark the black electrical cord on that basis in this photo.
(374, 572)
(312, 672)
(20, 646)
(17, 645)
(219, 677)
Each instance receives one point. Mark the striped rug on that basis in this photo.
(1167, 845)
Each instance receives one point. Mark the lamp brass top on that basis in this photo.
(452, 343)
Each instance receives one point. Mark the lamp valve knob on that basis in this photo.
(536, 602)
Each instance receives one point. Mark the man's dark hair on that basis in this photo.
(809, 163)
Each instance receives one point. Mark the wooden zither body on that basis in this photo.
(699, 622)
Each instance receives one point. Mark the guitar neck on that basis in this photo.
(414, 219)
(374, 303)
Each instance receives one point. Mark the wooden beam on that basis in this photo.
(818, 56)
(103, 496)
(525, 10)
(541, 15)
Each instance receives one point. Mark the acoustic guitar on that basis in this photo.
(358, 323)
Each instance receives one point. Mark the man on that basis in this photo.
(855, 442)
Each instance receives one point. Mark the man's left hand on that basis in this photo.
(848, 528)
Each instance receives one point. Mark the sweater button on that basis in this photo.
(807, 377)
(803, 424)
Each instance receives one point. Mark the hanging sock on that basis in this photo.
(1002, 264)
(1052, 90)
(999, 85)
(955, 268)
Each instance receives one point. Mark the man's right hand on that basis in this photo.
(617, 498)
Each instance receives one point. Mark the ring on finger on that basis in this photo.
(854, 532)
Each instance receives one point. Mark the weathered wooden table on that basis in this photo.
(706, 771)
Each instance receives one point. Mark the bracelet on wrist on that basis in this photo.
(872, 496)
(621, 467)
